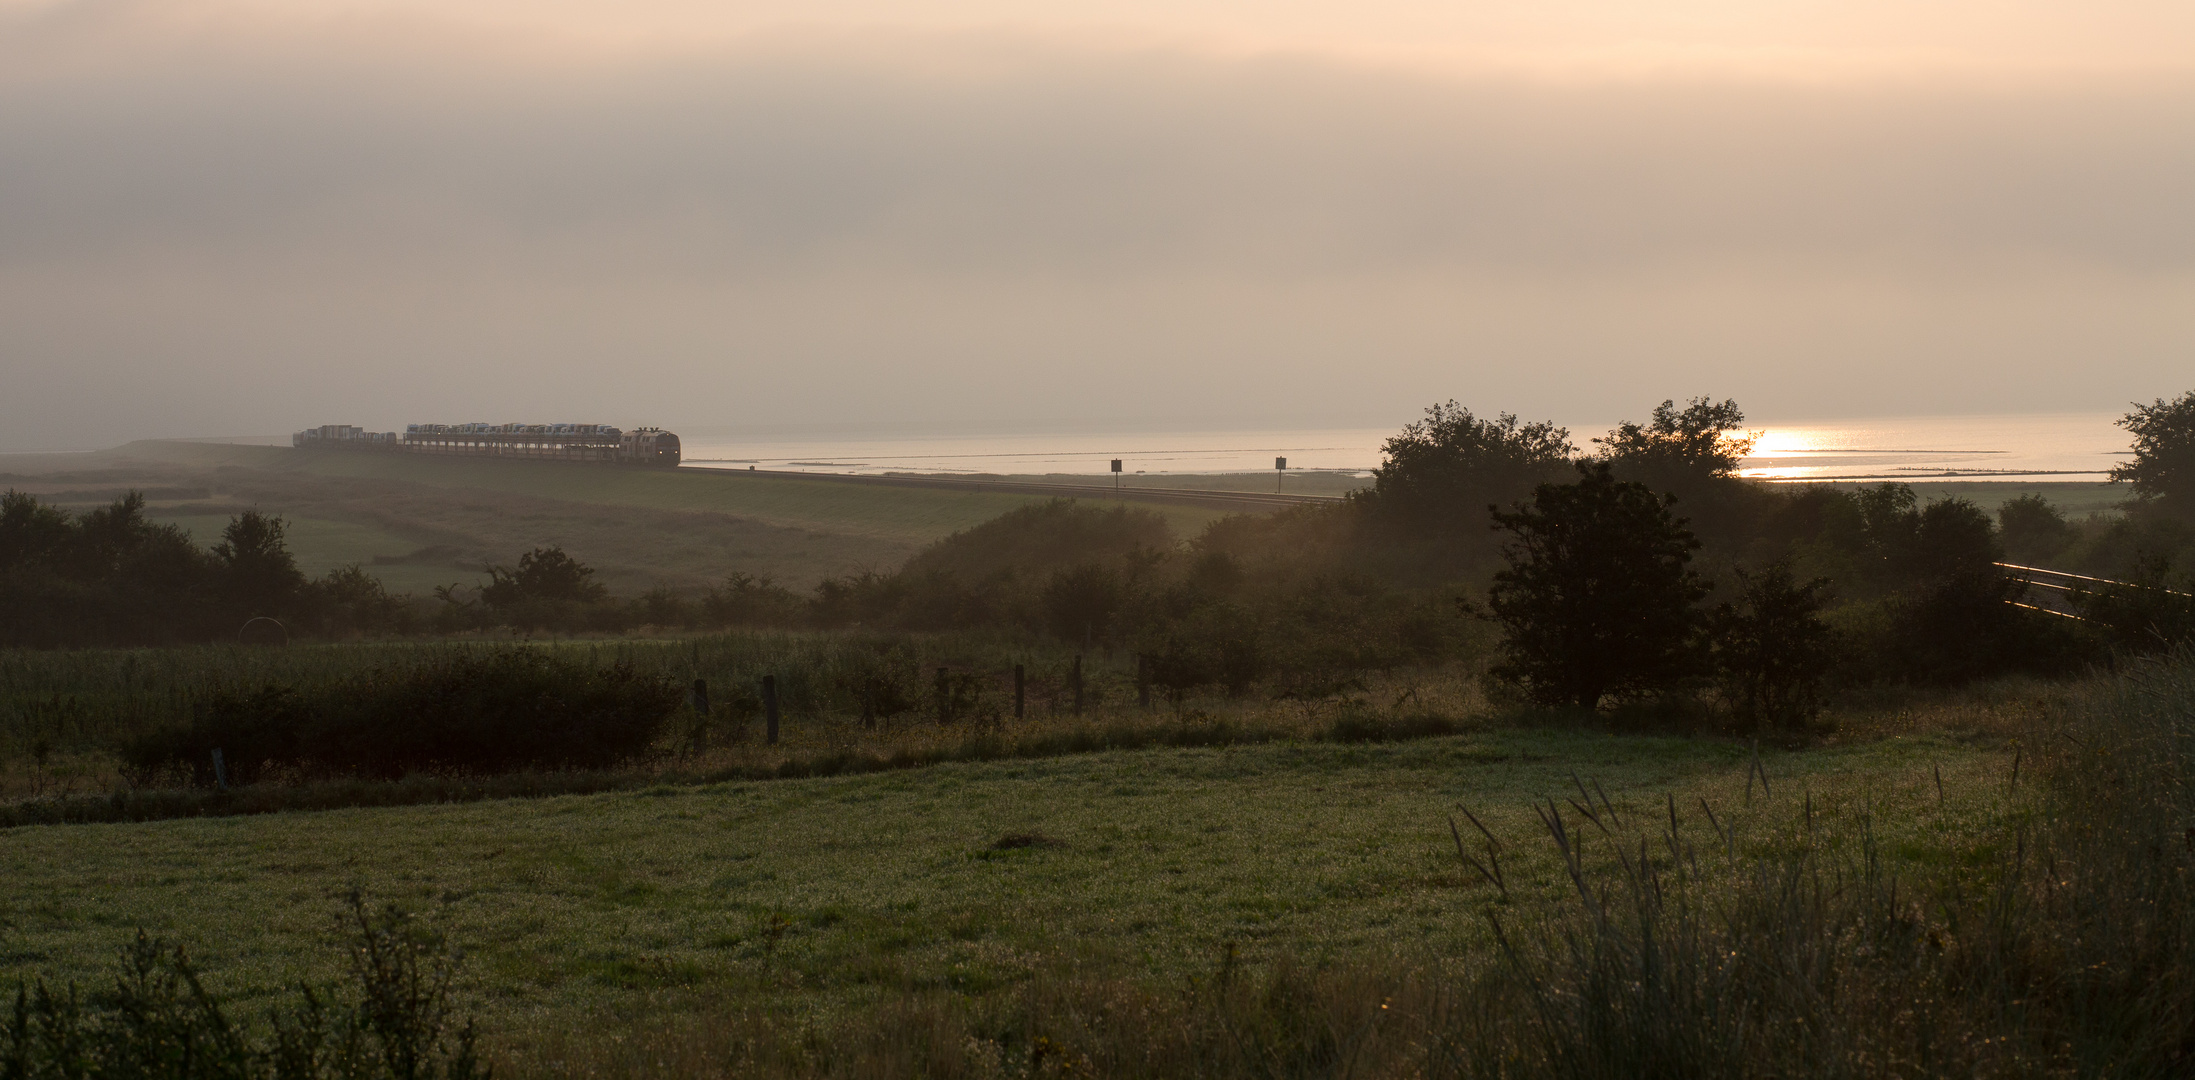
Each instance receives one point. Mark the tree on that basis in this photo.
(1954, 538)
(1598, 597)
(30, 531)
(105, 577)
(544, 576)
(257, 572)
(2163, 468)
(1772, 648)
(1442, 471)
(1696, 441)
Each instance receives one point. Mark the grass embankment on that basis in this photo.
(418, 522)
(811, 901)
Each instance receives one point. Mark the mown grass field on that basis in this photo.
(816, 897)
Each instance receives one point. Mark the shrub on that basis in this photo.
(1029, 542)
(1962, 628)
(549, 588)
(1771, 648)
(1953, 538)
(1217, 644)
(747, 600)
(662, 606)
(2032, 529)
(351, 599)
(2149, 613)
(459, 711)
(1079, 602)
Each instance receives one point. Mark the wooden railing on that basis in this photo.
(2060, 587)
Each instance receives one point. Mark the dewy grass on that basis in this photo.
(818, 900)
(1795, 937)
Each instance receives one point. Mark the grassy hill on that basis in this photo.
(421, 521)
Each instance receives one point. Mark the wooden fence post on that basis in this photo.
(1076, 678)
(701, 697)
(769, 707)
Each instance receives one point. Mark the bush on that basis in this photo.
(1027, 543)
(548, 589)
(2149, 613)
(1772, 649)
(747, 600)
(349, 598)
(1962, 628)
(1214, 645)
(1079, 602)
(460, 711)
(2033, 530)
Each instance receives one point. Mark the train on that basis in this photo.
(555, 442)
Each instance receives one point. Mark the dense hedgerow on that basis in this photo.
(464, 711)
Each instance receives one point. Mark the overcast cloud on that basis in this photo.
(235, 223)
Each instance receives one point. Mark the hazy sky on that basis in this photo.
(231, 218)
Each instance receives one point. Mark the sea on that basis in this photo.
(1916, 449)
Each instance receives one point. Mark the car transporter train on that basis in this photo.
(555, 442)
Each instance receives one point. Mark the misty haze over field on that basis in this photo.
(228, 218)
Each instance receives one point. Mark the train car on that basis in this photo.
(555, 442)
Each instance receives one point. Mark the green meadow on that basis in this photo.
(823, 897)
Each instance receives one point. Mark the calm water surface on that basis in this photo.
(2063, 446)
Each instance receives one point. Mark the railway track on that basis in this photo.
(1226, 500)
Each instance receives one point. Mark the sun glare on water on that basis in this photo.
(2066, 447)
